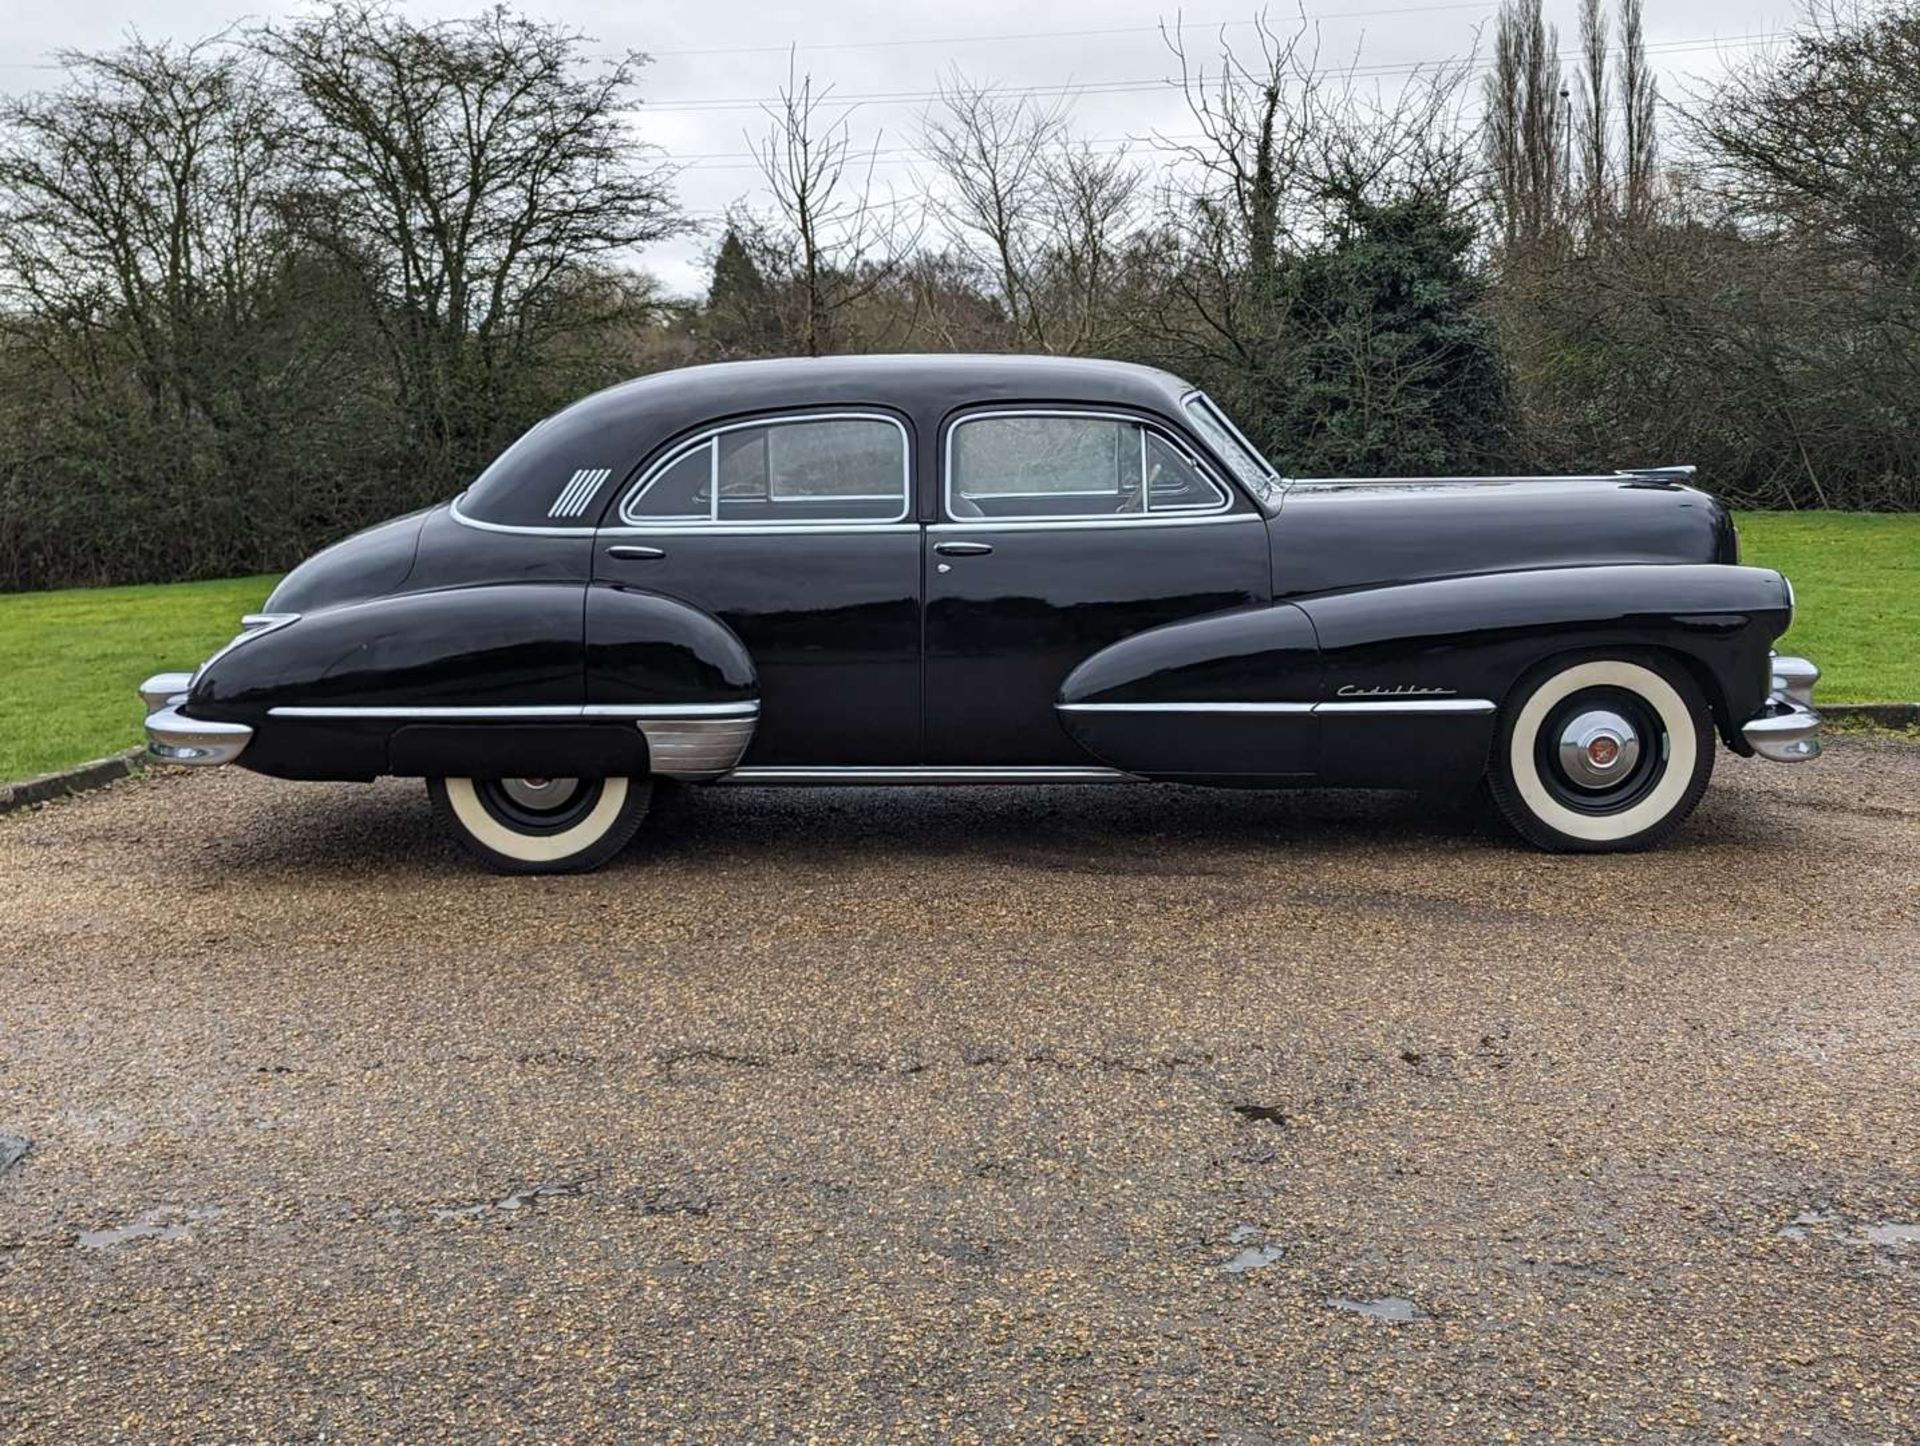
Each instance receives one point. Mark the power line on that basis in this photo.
(1124, 87)
(1055, 34)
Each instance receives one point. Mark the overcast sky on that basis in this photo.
(713, 61)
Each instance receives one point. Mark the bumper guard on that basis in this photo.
(1787, 730)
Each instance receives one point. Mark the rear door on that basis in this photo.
(797, 532)
(1064, 530)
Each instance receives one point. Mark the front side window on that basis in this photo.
(1248, 465)
(839, 468)
(1067, 465)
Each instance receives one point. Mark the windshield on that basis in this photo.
(1235, 450)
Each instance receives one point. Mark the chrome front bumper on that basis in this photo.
(172, 737)
(1787, 730)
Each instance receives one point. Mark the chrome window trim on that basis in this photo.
(1275, 482)
(529, 710)
(1094, 524)
(767, 529)
(714, 522)
(1124, 519)
(1390, 705)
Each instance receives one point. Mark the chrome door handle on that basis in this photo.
(962, 549)
(633, 552)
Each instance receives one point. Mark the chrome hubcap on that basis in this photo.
(1598, 749)
(540, 793)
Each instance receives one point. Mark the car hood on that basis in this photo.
(1331, 536)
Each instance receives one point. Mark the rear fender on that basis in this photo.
(492, 679)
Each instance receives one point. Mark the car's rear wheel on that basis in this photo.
(1602, 755)
(541, 825)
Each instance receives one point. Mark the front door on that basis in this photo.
(1063, 531)
(797, 532)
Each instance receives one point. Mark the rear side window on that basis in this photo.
(1062, 465)
(842, 467)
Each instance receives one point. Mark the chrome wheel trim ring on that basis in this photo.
(1598, 749)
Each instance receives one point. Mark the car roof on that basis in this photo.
(616, 429)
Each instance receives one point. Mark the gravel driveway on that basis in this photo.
(971, 1115)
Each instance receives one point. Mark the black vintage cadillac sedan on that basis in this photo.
(954, 569)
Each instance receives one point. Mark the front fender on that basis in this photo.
(1475, 637)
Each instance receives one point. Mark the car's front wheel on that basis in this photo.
(541, 825)
(1602, 755)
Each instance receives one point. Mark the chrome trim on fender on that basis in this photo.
(172, 737)
(1393, 705)
(1183, 707)
(634, 711)
(1412, 705)
(696, 749)
(861, 777)
(252, 626)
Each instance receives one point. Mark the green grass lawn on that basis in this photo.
(69, 661)
(1856, 584)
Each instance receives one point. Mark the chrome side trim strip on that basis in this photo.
(634, 711)
(1184, 707)
(1395, 705)
(771, 774)
(670, 710)
(1412, 705)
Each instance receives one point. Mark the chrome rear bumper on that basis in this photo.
(172, 737)
(1787, 730)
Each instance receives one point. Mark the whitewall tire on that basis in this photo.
(1602, 754)
(541, 825)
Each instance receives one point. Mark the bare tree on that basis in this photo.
(136, 213)
(1088, 200)
(472, 173)
(829, 237)
(994, 155)
(1638, 99)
